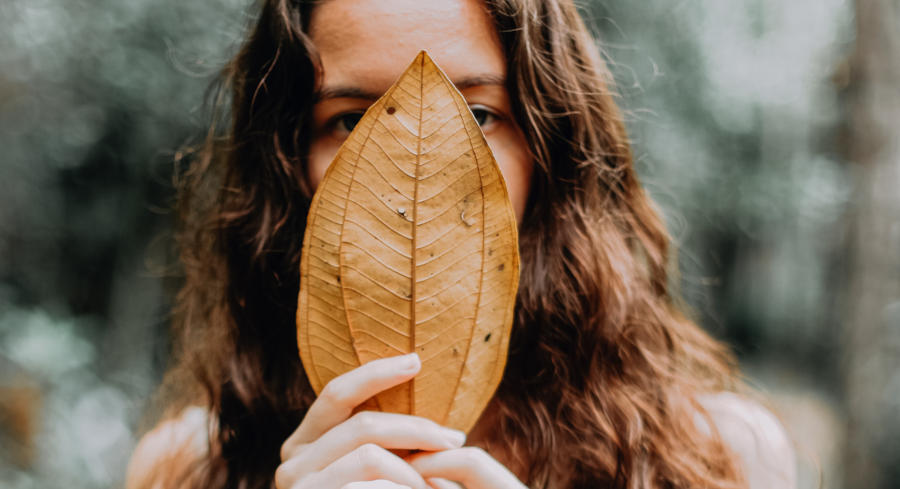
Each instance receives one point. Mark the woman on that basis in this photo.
(607, 384)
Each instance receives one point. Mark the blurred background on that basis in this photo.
(766, 131)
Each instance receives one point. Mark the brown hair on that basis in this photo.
(604, 369)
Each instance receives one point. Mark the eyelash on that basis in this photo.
(335, 122)
(491, 115)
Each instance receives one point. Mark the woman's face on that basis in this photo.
(365, 45)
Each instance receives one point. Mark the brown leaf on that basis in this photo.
(411, 245)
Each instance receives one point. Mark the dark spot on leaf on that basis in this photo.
(490, 251)
(391, 110)
(487, 337)
(502, 266)
(455, 351)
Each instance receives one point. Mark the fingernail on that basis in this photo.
(411, 362)
(455, 437)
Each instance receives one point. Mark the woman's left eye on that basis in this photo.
(483, 115)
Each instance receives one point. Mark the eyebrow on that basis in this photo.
(360, 93)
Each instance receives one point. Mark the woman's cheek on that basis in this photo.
(321, 153)
(511, 152)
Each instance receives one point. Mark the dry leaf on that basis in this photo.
(411, 245)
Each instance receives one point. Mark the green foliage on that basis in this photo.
(736, 118)
(95, 98)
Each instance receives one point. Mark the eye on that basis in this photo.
(346, 122)
(483, 115)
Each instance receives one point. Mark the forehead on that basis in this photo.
(368, 43)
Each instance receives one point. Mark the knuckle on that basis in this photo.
(368, 452)
(282, 477)
(334, 393)
(306, 483)
(365, 423)
(285, 452)
(475, 456)
(376, 484)
(289, 451)
(370, 458)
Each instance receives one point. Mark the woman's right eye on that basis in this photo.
(345, 123)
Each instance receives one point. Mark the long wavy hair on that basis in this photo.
(604, 367)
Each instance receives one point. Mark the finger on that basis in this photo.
(379, 484)
(387, 430)
(438, 483)
(367, 463)
(345, 392)
(470, 466)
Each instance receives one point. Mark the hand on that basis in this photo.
(470, 466)
(333, 450)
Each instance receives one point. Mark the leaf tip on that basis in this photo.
(425, 61)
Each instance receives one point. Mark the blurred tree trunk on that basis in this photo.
(872, 324)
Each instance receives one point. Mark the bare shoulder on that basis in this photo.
(757, 438)
(178, 441)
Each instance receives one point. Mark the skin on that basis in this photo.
(333, 448)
